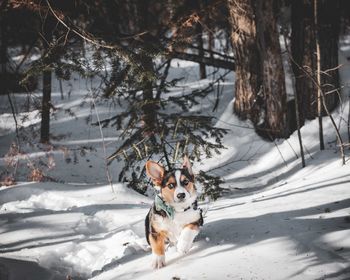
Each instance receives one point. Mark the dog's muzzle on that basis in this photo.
(181, 196)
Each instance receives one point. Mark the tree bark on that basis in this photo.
(328, 31)
(274, 90)
(304, 53)
(247, 72)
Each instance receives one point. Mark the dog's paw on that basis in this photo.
(186, 240)
(183, 247)
(158, 261)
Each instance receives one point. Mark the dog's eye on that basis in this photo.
(185, 182)
(171, 186)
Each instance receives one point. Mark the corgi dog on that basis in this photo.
(174, 216)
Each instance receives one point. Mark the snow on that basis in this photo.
(7, 123)
(277, 220)
(76, 229)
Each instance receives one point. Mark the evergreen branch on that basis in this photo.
(121, 51)
(84, 35)
(128, 143)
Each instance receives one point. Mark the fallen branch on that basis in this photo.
(219, 63)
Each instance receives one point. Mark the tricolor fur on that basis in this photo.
(174, 217)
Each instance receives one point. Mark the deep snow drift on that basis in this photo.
(277, 221)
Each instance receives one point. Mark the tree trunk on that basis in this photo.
(46, 105)
(328, 31)
(199, 31)
(47, 76)
(304, 53)
(199, 41)
(244, 44)
(318, 77)
(149, 107)
(3, 55)
(274, 90)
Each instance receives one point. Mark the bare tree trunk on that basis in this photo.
(274, 90)
(297, 106)
(46, 105)
(318, 78)
(61, 88)
(47, 77)
(199, 41)
(202, 70)
(3, 55)
(211, 43)
(349, 121)
(303, 53)
(328, 36)
(255, 40)
(302, 155)
(149, 107)
(244, 43)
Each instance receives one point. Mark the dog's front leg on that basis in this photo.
(157, 242)
(188, 234)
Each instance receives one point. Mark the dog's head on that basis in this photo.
(176, 186)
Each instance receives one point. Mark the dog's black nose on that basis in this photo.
(181, 195)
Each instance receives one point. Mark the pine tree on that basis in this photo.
(138, 39)
(154, 124)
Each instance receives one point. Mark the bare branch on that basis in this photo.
(322, 95)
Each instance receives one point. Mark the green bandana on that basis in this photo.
(160, 205)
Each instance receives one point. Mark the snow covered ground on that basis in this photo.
(277, 221)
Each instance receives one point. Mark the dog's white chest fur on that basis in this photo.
(174, 226)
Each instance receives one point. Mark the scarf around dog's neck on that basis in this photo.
(161, 205)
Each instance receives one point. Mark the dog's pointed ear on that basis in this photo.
(187, 164)
(155, 172)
